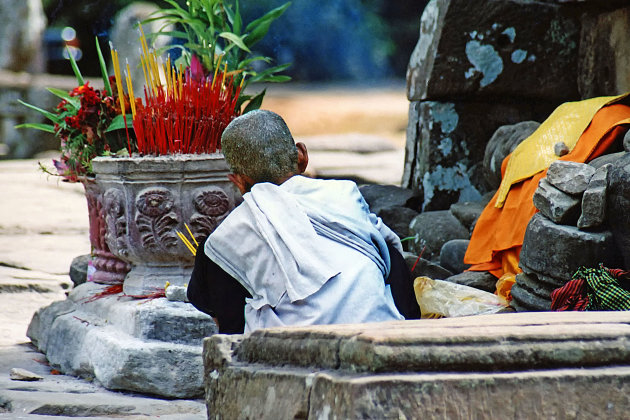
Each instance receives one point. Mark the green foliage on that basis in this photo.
(214, 31)
(81, 121)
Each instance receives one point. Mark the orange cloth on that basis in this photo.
(499, 232)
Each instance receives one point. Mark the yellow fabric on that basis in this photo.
(534, 154)
(509, 264)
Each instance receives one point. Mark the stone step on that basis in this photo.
(146, 319)
(151, 346)
(528, 365)
(484, 343)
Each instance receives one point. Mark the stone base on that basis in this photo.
(148, 278)
(522, 366)
(148, 346)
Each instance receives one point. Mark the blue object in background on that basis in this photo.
(325, 39)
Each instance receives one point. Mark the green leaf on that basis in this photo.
(75, 68)
(258, 28)
(255, 102)
(118, 123)
(281, 78)
(73, 103)
(101, 61)
(238, 41)
(52, 117)
(38, 126)
(62, 94)
(265, 74)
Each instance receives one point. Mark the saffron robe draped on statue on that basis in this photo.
(498, 235)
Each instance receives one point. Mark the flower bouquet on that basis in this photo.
(86, 122)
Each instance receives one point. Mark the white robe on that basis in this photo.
(309, 252)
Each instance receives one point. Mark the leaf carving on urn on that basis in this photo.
(116, 224)
(202, 226)
(156, 223)
(212, 205)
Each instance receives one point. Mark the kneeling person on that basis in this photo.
(297, 251)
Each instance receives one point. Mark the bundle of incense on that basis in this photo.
(192, 248)
(188, 116)
(182, 113)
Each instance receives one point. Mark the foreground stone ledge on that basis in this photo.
(527, 365)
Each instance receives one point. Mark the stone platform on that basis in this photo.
(521, 366)
(152, 346)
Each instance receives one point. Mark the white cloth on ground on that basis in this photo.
(309, 252)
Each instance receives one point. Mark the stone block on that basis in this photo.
(491, 48)
(398, 219)
(420, 267)
(379, 197)
(558, 250)
(502, 143)
(592, 393)
(468, 212)
(529, 294)
(570, 177)
(148, 346)
(606, 159)
(433, 229)
(549, 364)
(254, 393)
(555, 204)
(478, 279)
(604, 53)
(618, 203)
(594, 200)
(446, 142)
(79, 269)
(452, 255)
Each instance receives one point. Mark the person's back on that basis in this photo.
(306, 251)
(309, 252)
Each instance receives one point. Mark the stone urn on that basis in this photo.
(106, 267)
(147, 200)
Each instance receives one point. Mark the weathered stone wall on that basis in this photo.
(480, 65)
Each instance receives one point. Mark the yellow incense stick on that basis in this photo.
(191, 234)
(121, 93)
(132, 99)
(216, 70)
(186, 242)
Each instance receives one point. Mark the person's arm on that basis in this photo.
(401, 285)
(214, 292)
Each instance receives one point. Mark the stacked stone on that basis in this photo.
(569, 231)
(480, 65)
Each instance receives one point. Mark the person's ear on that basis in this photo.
(302, 157)
(242, 182)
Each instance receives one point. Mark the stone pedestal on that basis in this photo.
(147, 346)
(146, 200)
(521, 366)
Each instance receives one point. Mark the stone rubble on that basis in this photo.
(19, 374)
(556, 204)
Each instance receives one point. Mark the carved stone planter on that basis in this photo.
(146, 200)
(108, 269)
